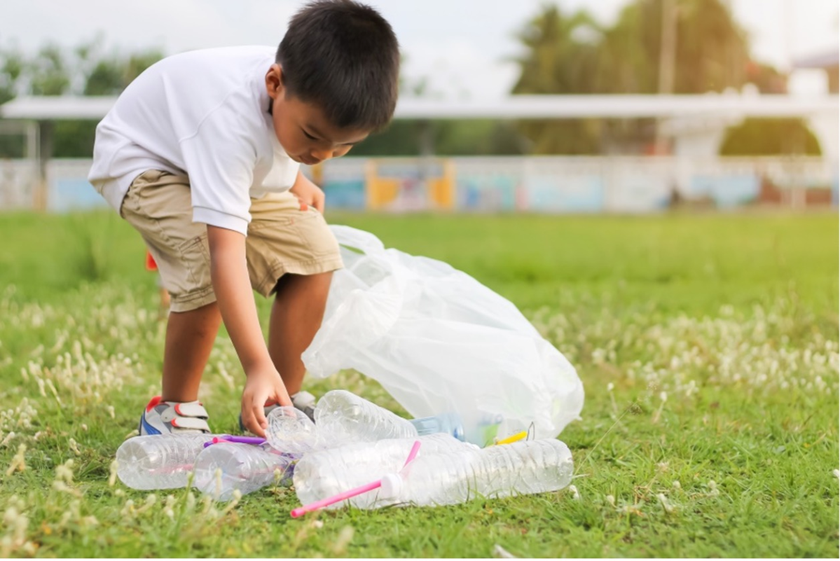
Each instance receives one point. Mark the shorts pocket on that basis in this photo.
(315, 235)
(195, 258)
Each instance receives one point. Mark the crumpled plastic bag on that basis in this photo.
(439, 341)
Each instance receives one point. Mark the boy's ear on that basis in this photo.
(274, 81)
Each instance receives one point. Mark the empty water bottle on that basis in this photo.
(222, 468)
(325, 473)
(480, 429)
(455, 476)
(158, 462)
(290, 430)
(449, 423)
(346, 417)
(520, 468)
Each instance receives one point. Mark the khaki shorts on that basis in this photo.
(284, 236)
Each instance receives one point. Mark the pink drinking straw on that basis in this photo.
(300, 511)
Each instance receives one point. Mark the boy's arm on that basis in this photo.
(229, 273)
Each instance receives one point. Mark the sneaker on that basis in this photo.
(172, 417)
(303, 401)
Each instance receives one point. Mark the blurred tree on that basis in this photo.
(568, 54)
(770, 137)
(11, 67)
(88, 69)
(561, 55)
(47, 72)
(110, 76)
(448, 138)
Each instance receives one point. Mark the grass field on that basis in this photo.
(707, 345)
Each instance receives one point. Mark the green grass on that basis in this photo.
(707, 345)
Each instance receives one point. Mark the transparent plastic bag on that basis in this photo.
(439, 341)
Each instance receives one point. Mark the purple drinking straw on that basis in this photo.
(254, 440)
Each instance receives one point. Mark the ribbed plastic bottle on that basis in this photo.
(157, 461)
(346, 417)
(451, 476)
(325, 473)
(520, 468)
(224, 467)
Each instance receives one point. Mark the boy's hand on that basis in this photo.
(308, 192)
(263, 387)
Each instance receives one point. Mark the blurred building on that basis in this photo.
(828, 61)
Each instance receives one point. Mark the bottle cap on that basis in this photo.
(391, 486)
(458, 432)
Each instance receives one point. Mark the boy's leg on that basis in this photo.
(291, 255)
(189, 340)
(158, 205)
(296, 315)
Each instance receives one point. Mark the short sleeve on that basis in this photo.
(220, 160)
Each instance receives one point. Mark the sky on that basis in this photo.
(462, 47)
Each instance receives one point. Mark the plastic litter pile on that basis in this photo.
(489, 393)
(355, 453)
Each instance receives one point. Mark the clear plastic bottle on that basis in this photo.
(224, 467)
(449, 423)
(520, 468)
(346, 417)
(158, 461)
(445, 476)
(291, 431)
(325, 473)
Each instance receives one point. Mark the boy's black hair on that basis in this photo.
(344, 57)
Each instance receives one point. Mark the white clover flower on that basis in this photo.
(345, 536)
(713, 489)
(574, 491)
(112, 478)
(65, 488)
(18, 462)
(64, 472)
(127, 509)
(664, 502)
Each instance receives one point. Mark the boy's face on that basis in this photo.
(301, 128)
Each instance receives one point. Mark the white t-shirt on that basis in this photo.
(204, 114)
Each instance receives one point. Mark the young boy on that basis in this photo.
(202, 153)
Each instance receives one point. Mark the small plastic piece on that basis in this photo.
(450, 423)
